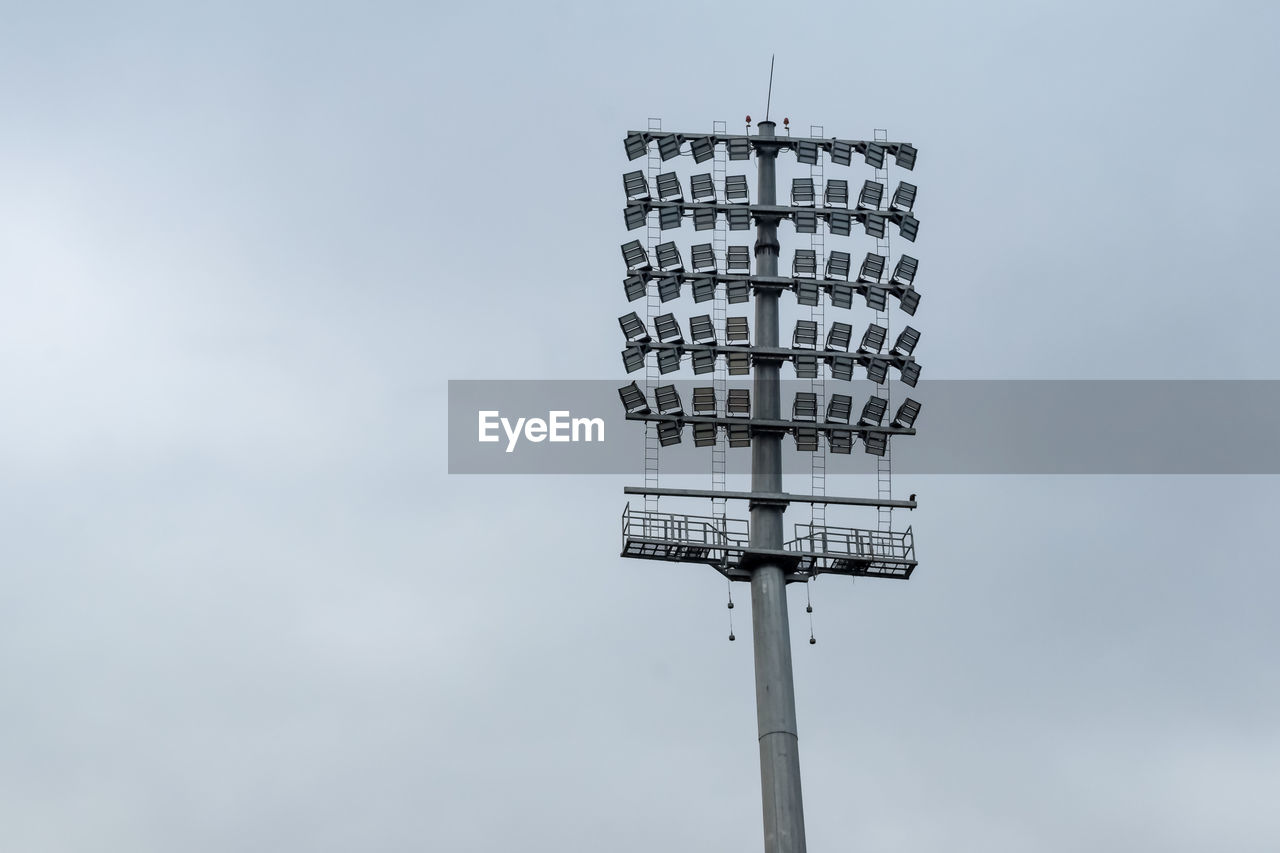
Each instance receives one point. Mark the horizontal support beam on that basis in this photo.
(764, 425)
(773, 497)
(859, 145)
(776, 282)
(781, 353)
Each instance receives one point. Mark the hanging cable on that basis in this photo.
(729, 584)
(808, 608)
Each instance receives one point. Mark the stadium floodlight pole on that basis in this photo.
(755, 550)
(771, 631)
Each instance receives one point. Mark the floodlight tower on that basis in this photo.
(757, 550)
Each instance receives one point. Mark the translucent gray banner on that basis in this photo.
(965, 427)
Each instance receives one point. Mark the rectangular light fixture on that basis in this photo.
(704, 401)
(669, 433)
(667, 400)
(805, 262)
(704, 218)
(806, 366)
(737, 331)
(873, 412)
(702, 188)
(702, 330)
(739, 259)
(807, 152)
(872, 267)
(909, 299)
(841, 152)
(805, 335)
(704, 361)
(669, 187)
(909, 227)
(635, 185)
(735, 189)
(704, 435)
(838, 265)
(807, 292)
(838, 336)
(669, 287)
(669, 360)
(906, 342)
(905, 156)
(667, 329)
(839, 408)
(738, 402)
(837, 193)
(805, 406)
(842, 295)
(633, 401)
(907, 413)
(868, 199)
(637, 146)
(806, 221)
(704, 289)
(739, 220)
(668, 146)
(801, 192)
(840, 222)
(669, 257)
(702, 148)
(633, 328)
(739, 435)
(635, 216)
(806, 439)
(635, 287)
(873, 338)
(904, 197)
(739, 149)
(904, 272)
(840, 441)
(635, 255)
(876, 444)
(703, 258)
(842, 367)
(877, 298)
(670, 216)
(911, 373)
(633, 359)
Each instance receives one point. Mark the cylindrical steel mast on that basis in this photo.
(775, 690)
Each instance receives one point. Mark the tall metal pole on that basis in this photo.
(775, 689)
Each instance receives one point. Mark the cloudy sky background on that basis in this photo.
(243, 606)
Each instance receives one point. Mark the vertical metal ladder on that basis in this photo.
(719, 311)
(652, 309)
(884, 464)
(818, 460)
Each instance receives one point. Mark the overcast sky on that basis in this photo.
(244, 607)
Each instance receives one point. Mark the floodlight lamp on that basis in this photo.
(878, 370)
(842, 367)
(635, 256)
(702, 188)
(669, 287)
(909, 227)
(667, 400)
(739, 220)
(739, 259)
(738, 291)
(805, 262)
(637, 146)
(909, 300)
(868, 199)
(805, 406)
(877, 298)
(704, 218)
(906, 342)
(805, 335)
(837, 193)
(874, 155)
(634, 286)
(842, 295)
(840, 408)
(872, 412)
(704, 435)
(905, 156)
(669, 360)
(739, 149)
(739, 363)
(876, 444)
(667, 329)
(737, 331)
(801, 192)
(704, 289)
(873, 338)
(841, 152)
(669, 146)
(669, 187)
(735, 189)
(739, 435)
(807, 152)
(840, 441)
(838, 336)
(704, 401)
(872, 267)
(633, 358)
(807, 292)
(703, 257)
(633, 328)
(738, 402)
(907, 413)
(904, 272)
(669, 433)
(633, 401)
(875, 225)
(806, 366)
(635, 185)
(806, 439)
(806, 221)
(704, 361)
(670, 216)
(838, 265)
(910, 373)
(669, 257)
(840, 223)
(635, 216)
(702, 330)
(702, 148)
(904, 197)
